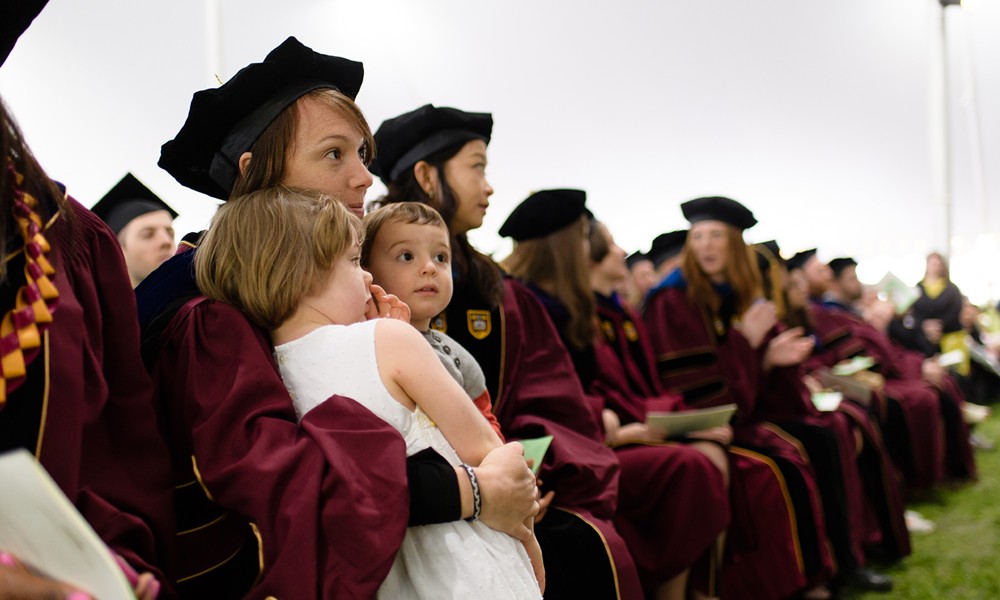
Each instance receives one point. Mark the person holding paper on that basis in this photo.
(708, 328)
(662, 485)
(73, 392)
(922, 400)
(438, 156)
(862, 499)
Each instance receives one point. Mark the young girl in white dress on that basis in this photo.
(314, 298)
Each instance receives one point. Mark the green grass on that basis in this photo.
(959, 560)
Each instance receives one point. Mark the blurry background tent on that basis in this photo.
(825, 117)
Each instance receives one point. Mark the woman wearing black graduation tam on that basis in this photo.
(438, 156)
(267, 506)
(708, 329)
(673, 503)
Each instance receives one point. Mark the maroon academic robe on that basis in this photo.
(673, 502)
(536, 392)
(316, 509)
(851, 523)
(85, 408)
(778, 542)
(919, 445)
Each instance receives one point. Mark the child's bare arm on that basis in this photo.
(410, 369)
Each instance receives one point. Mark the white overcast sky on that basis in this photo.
(824, 117)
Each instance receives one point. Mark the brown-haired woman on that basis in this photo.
(709, 331)
(311, 520)
(672, 500)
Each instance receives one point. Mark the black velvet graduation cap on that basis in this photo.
(543, 213)
(838, 265)
(224, 122)
(635, 258)
(800, 258)
(718, 208)
(666, 246)
(15, 16)
(769, 250)
(127, 200)
(403, 141)
(769, 263)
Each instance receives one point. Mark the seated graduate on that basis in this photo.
(143, 223)
(921, 401)
(641, 277)
(73, 392)
(710, 331)
(310, 519)
(862, 500)
(662, 485)
(438, 156)
(665, 252)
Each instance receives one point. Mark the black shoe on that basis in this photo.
(869, 580)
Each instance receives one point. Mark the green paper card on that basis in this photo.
(535, 450)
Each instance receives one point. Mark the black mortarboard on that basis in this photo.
(635, 258)
(666, 246)
(838, 265)
(769, 263)
(15, 16)
(718, 208)
(543, 213)
(769, 250)
(224, 122)
(127, 200)
(409, 138)
(800, 258)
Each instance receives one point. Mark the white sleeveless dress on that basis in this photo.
(459, 560)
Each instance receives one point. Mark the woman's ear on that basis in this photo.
(426, 176)
(244, 163)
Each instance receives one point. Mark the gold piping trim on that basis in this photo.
(788, 500)
(197, 475)
(260, 552)
(45, 394)
(184, 485)
(791, 439)
(200, 527)
(212, 568)
(611, 558)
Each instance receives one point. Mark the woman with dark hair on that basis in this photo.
(711, 334)
(73, 391)
(672, 501)
(438, 156)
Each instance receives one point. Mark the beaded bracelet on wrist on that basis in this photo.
(477, 498)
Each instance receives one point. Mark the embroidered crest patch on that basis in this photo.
(609, 331)
(630, 331)
(480, 324)
(440, 323)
